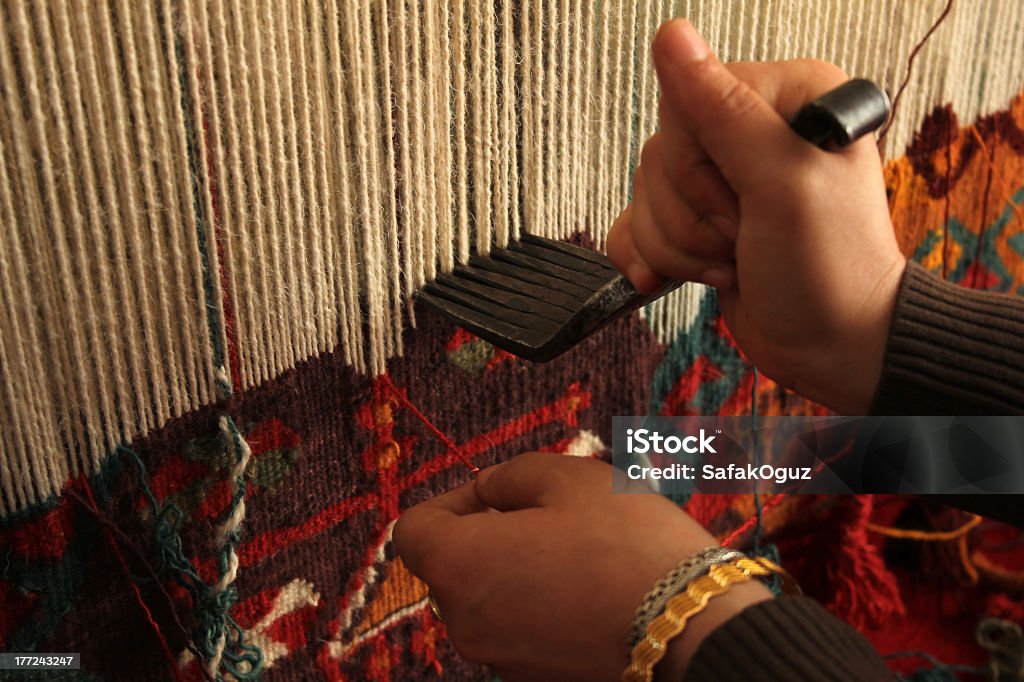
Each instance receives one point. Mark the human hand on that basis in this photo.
(797, 240)
(547, 589)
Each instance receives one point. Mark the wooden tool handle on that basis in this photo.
(842, 115)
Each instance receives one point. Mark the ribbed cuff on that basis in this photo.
(786, 639)
(952, 350)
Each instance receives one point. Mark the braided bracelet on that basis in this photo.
(689, 569)
(683, 606)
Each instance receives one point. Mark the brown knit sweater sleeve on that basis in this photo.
(955, 351)
(789, 639)
(952, 351)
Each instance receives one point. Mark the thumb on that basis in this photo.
(737, 129)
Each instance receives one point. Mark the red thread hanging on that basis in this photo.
(448, 442)
(135, 588)
(910, 67)
(995, 171)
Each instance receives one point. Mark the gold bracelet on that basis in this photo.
(680, 608)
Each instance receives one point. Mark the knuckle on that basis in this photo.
(713, 243)
(737, 100)
(674, 222)
(666, 260)
(697, 239)
(669, 221)
(686, 237)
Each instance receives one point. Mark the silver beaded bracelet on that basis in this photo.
(676, 581)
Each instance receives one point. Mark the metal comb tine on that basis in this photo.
(489, 310)
(513, 300)
(483, 325)
(574, 289)
(499, 281)
(536, 264)
(571, 249)
(563, 259)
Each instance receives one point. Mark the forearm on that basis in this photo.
(952, 350)
(785, 639)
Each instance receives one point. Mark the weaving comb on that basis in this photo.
(539, 297)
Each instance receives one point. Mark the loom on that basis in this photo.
(201, 200)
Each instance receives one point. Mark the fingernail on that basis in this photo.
(683, 44)
(719, 278)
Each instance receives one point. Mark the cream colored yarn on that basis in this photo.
(309, 164)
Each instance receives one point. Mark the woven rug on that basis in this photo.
(217, 400)
(337, 455)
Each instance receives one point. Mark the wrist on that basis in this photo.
(852, 366)
(681, 649)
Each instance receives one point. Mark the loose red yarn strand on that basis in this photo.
(448, 442)
(135, 588)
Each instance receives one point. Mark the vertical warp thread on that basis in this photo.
(217, 627)
(166, 363)
(77, 241)
(344, 153)
(260, 164)
(105, 116)
(294, 228)
(246, 196)
(18, 336)
(163, 99)
(586, 168)
(310, 254)
(460, 123)
(347, 283)
(227, 141)
(440, 81)
(211, 269)
(391, 227)
(280, 273)
(26, 189)
(560, 121)
(510, 108)
(601, 206)
(332, 309)
(549, 150)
